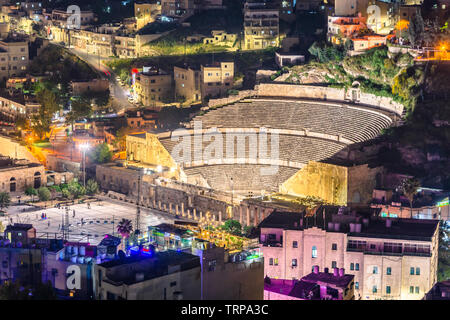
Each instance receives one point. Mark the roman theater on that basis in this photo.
(304, 126)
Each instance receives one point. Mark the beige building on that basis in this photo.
(261, 26)
(221, 38)
(187, 83)
(216, 79)
(389, 259)
(14, 58)
(167, 275)
(96, 85)
(146, 12)
(17, 175)
(177, 8)
(154, 87)
(60, 17)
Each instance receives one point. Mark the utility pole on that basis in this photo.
(138, 208)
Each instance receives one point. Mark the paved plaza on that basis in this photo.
(88, 225)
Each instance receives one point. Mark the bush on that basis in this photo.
(91, 187)
(44, 194)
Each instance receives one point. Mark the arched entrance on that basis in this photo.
(37, 180)
(12, 184)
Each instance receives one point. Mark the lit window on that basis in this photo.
(417, 290)
(411, 289)
(356, 285)
(275, 262)
(375, 270)
(357, 267)
(417, 271)
(388, 290)
(333, 264)
(411, 271)
(294, 244)
(294, 262)
(374, 289)
(352, 266)
(388, 271)
(334, 246)
(314, 252)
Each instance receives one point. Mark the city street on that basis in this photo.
(102, 218)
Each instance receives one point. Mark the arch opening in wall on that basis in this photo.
(37, 180)
(12, 184)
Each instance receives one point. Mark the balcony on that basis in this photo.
(272, 243)
(380, 251)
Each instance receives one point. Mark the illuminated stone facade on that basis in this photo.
(323, 180)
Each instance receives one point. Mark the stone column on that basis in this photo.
(188, 213)
(170, 207)
(247, 220)
(176, 209)
(201, 215)
(182, 209)
(257, 215)
(240, 215)
(154, 203)
(159, 205)
(194, 211)
(165, 207)
(195, 215)
(220, 216)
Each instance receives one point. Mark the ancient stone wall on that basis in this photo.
(13, 149)
(323, 180)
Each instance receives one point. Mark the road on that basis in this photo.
(118, 94)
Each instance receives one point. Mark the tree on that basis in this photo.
(74, 190)
(41, 122)
(409, 187)
(30, 191)
(232, 226)
(124, 228)
(44, 194)
(325, 52)
(91, 187)
(444, 252)
(101, 154)
(81, 108)
(416, 29)
(5, 200)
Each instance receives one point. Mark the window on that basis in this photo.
(375, 270)
(357, 267)
(417, 290)
(333, 264)
(294, 244)
(411, 289)
(275, 261)
(294, 262)
(374, 289)
(314, 252)
(173, 284)
(417, 271)
(388, 289)
(388, 271)
(352, 266)
(271, 262)
(411, 271)
(334, 246)
(357, 285)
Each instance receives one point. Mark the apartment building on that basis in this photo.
(389, 259)
(216, 79)
(168, 275)
(61, 17)
(153, 87)
(177, 8)
(314, 286)
(146, 12)
(187, 83)
(261, 25)
(14, 57)
(221, 38)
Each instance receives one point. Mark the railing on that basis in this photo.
(387, 253)
(276, 244)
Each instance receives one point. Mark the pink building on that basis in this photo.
(314, 286)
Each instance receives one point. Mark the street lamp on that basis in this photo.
(83, 147)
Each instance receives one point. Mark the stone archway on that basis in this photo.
(37, 180)
(12, 185)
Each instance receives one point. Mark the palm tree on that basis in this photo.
(125, 228)
(409, 187)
